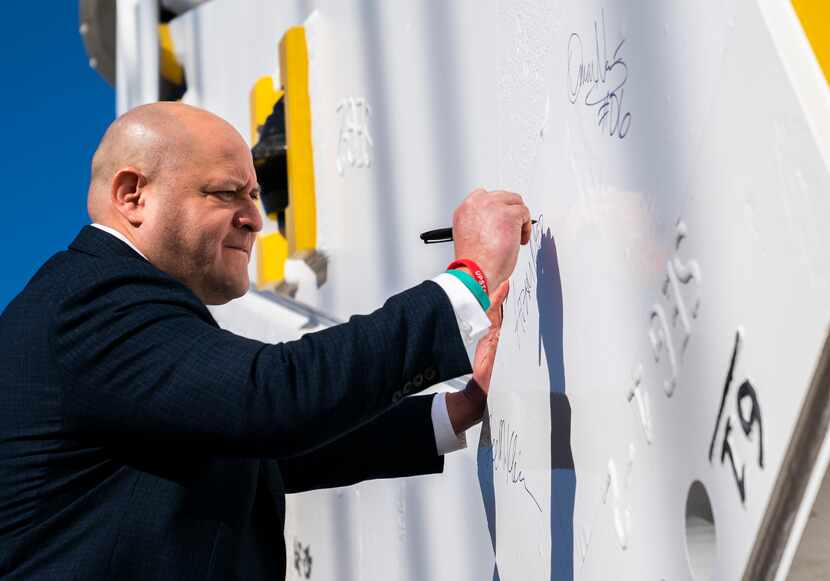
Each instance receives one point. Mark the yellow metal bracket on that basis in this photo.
(272, 247)
(263, 98)
(271, 253)
(300, 238)
(172, 81)
(301, 215)
(815, 19)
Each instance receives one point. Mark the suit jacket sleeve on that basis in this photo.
(142, 359)
(401, 442)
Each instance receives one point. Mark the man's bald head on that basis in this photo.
(179, 183)
(152, 138)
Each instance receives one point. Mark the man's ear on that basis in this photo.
(127, 196)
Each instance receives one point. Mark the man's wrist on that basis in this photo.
(466, 407)
(446, 440)
(493, 281)
(476, 288)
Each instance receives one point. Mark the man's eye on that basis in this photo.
(225, 196)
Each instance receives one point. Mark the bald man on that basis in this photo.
(140, 441)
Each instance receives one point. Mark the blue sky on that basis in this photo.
(55, 109)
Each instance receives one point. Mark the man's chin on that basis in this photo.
(223, 294)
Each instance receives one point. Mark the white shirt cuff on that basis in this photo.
(446, 440)
(473, 322)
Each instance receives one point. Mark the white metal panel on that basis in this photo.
(137, 54)
(681, 194)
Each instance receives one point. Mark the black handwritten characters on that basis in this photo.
(599, 81)
(748, 412)
(507, 456)
(527, 279)
(499, 451)
(302, 559)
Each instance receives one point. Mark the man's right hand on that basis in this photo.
(488, 228)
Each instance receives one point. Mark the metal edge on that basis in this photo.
(794, 476)
(97, 20)
(315, 317)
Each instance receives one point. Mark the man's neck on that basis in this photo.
(121, 236)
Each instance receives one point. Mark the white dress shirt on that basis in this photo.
(472, 324)
(121, 237)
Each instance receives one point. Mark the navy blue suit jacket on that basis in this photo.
(140, 441)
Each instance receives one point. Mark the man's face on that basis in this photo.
(202, 216)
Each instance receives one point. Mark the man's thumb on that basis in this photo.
(497, 298)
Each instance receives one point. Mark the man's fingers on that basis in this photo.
(508, 198)
(499, 196)
(497, 298)
(522, 216)
(519, 213)
(526, 226)
(496, 311)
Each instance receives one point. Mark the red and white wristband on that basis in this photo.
(476, 271)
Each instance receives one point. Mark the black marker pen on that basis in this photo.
(441, 235)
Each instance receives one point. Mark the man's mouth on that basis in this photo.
(240, 248)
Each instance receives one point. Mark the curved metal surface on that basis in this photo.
(181, 6)
(97, 28)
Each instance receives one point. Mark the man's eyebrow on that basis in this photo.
(231, 184)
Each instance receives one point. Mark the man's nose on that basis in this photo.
(249, 217)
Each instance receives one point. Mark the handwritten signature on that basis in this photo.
(521, 304)
(591, 80)
(302, 559)
(506, 456)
